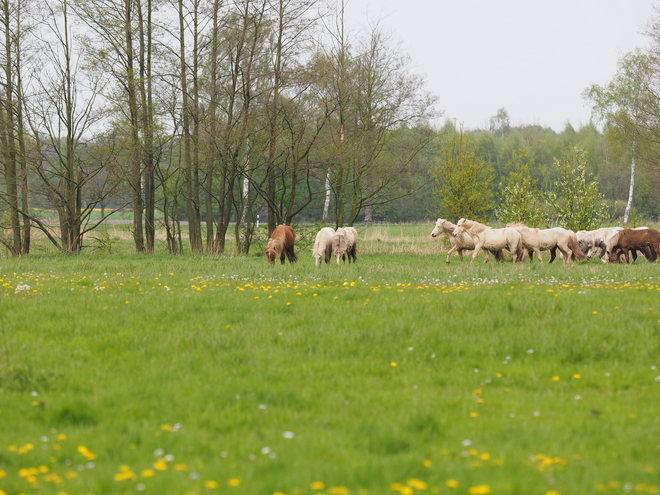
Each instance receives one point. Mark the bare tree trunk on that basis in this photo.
(626, 215)
(9, 132)
(147, 111)
(326, 204)
(136, 160)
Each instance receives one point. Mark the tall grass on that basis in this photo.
(399, 374)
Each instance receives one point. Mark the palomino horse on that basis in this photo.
(488, 238)
(344, 243)
(554, 239)
(323, 245)
(459, 243)
(645, 240)
(280, 244)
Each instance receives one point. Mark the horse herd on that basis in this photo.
(610, 244)
(342, 242)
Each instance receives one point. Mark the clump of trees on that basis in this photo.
(207, 113)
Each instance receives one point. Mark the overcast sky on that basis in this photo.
(532, 57)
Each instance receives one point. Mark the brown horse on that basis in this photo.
(645, 240)
(280, 244)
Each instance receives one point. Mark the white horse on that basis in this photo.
(488, 238)
(344, 243)
(323, 245)
(459, 243)
(589, 240)
(554, 239)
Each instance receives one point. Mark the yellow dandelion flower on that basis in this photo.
(393, 364)
(485, 456)
(452, 484)
(337, 490)
(417, 484)
(552, 492)
(71, 475)
(148, 473)
(181, 467)
(234, 481)
(474, 414)
(317, 485)
(427, 463)
(211, 484)
(84, 451)
(279, 493)
(160, 465)
(3, 473)
(555, 378)
(479, 490)
(166, 427)
(576, 376)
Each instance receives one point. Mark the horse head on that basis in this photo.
(271, 252)
(460, 227)
(438, 228)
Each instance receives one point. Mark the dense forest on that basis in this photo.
(198, 117)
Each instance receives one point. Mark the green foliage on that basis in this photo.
(576, 200)
(462, 180)
(520, 199)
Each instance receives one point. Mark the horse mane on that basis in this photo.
(475, 227)
(339, 241)
(446, 226)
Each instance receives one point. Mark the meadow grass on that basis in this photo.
(399, 374)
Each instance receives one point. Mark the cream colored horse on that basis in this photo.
(323, 245)
(553, 239)
(344, 243)
(488, 238)
(459, 243)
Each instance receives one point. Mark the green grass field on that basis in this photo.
(399, 374)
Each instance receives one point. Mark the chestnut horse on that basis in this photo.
(280, 244)
(645, 240)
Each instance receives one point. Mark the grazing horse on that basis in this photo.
(554, 239)
(589, 240)
(488, 238)
(645, 240)
(323, 245)
(459, 243)
(344, 243)
(280, 244)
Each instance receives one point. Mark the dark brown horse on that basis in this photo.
(645, 240)
(280, 244)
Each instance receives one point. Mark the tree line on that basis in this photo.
(204, 112)
(198, 116)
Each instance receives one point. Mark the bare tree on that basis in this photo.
(68, 168)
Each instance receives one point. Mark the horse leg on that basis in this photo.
(282, 257)
(477, 249)
(453, 249)
(553, 254)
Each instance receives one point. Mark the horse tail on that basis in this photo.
(575, 247)
(520, 250)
